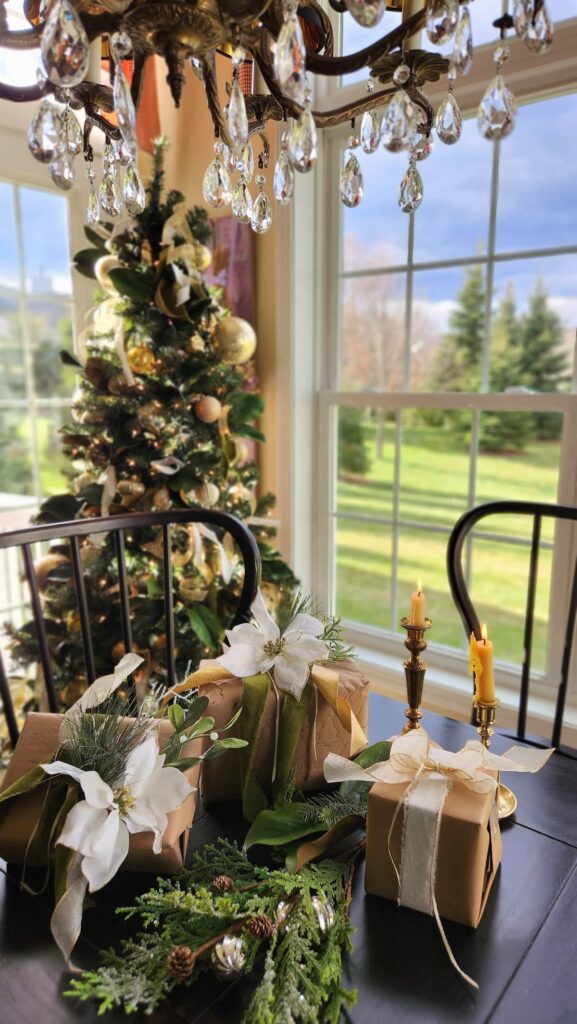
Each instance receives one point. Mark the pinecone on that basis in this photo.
(222, 884)
(261, 926)
(180, 962)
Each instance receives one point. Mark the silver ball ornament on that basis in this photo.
(228, 957)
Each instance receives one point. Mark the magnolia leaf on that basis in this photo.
(97, 239)
(283, 825)
(59, 509)
(194, 710)
(366, 759)
(212, 622)
(135, 285)
(69, 360)
(30, 780)
(316, 847)
(252, 432)
(85, 261)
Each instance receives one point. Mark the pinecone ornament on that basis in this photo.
(180, 962)
(261, 926)
(222, 884)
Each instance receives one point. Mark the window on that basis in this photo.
(431, 395)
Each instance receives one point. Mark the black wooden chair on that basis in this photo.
(461, 531)
(73, 533)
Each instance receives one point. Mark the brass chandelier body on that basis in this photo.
(178, 30)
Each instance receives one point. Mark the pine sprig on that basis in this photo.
(330, 808)
(300, 969)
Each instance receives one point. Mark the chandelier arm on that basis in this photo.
(339, 115)
(339, 6)
(96, 120)
(332, 66)
(212, 98)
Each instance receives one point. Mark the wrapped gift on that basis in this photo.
(38, 742)
(322, 730)
(433, 839)
(467, 857)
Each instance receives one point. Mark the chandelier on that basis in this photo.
(289, 42)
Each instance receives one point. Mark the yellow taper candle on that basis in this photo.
(418, 606)
(485, 679)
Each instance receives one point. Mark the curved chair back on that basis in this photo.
(116, 525)
(462, 529)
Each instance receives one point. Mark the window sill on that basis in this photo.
(447, 693)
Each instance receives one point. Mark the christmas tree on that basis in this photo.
(163, 417)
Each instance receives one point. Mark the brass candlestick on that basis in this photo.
(415, 669)
(485, 712)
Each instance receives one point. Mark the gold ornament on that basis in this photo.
(202, 256)
(238, 494)
(197, 343)
(131, 488)
(46, 566)
(206, 494)
(235, 340)
(192, 589)
(271, 595)
(161, 499)
(102, 269)
(141, 359)
(207, 409)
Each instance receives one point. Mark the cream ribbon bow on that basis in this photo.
(430, 771)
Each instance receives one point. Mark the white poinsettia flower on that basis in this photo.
(258, 646)
(99, 826)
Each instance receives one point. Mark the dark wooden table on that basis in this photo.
(523, 954)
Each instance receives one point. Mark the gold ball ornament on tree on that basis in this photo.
(206, 494)
(161, 499)
(202, 257)
(192, 589)
(235, 340)
(46, 566)
(238, 495)
(207, 409)
(141, 359)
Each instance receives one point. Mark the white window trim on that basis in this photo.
(307, 257)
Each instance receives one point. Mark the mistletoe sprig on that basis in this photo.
(276, 913)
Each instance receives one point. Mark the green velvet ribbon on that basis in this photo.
(292, 717)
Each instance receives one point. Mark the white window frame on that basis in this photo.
(308, 257)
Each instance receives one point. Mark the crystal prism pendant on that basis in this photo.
(422, 148)
(124, 109)
(93, 207)
(351, 182)
(284, 179)
(237, 117)
(366, 12)
(442, 18)
(411, 190)
(216, 184)
(133, 193)
(109, 194)
(245, 162)
(496, 114)
(462, 56)
(261, 218)
(522, 12)
(64, 45)
(399, 123)
(290, 60)
(303, 142)
(448, 121)
(241, 202)
(62, 171)
(45, 135)
(71, 132)
(539, 34)
(370, 133)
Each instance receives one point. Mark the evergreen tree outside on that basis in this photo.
(526, 351)
(353, 454)
(159, 421)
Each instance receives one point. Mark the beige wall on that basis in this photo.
(191, 136)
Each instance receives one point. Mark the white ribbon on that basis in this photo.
(108, 492)
(200, 531)
(121, 351)
(430, 771)
(169, 466)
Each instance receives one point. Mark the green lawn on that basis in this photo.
(433, 492)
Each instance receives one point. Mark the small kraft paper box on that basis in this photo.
(322, 734)
(37, 744)
(469, 851)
